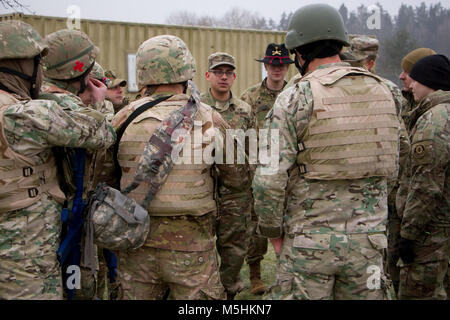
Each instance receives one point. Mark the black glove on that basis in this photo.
(406, 249)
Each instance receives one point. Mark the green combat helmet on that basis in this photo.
(313, 23)
(71, 55)
(164, 60)
(18, 40)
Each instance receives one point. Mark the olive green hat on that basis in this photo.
(411, 58)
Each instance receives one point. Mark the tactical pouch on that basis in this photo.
(120, 223)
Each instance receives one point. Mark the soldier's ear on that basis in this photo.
(207, 75)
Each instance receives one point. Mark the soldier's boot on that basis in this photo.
(257, 286)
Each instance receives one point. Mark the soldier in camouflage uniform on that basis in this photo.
(407, 63)
(394, 218)
(115, 92)
(103, 172)
(233, 225)
(261, 98)
(30, 217)
(424, 245)
(331, 235)
(179, 254)
(67, 69)
(365, 51)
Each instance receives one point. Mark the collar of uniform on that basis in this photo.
(63, 85)
(274, 92)
(220, 106)
(428, 102)
(334, 64)
(174, 96)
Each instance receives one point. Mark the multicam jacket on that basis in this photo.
(261, 99)
(425, 181)
(314, 206)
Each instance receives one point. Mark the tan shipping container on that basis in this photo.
(118, 39)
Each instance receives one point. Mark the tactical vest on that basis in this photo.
(189, 188)
(22, 181)
(353, 132)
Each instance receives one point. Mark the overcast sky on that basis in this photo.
(158, 11)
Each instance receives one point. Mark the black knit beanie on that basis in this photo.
(433, 72)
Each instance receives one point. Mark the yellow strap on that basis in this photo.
(356, 99)
(29, 193)
(26, 171)
(350, 140)
(354, 113)
(352, 154)
(350, 167)
(354, 126)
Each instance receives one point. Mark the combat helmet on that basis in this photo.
(18, 40)
(71, 55)
(164, 59)
(313, 23)
(99, 73)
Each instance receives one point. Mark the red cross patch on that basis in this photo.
(79, 66)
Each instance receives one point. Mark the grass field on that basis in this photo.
(268, 274)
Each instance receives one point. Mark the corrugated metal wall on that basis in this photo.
(116, 40)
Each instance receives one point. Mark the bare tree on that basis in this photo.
(234, 18)
(16, 6)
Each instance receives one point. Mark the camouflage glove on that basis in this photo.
(406, 249)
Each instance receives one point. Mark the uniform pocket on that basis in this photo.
(378, 241)
(312, 241)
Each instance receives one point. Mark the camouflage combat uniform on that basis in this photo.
(261, 99)
(179, 254)
(234, 217)
(62, 67)
(30, 236)
(426, 208)
(333, 230)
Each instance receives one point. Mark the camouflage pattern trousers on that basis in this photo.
(331, 266)
(257, 248)
(29, 240)
(148, 273)
(425, 278)
(234, 229)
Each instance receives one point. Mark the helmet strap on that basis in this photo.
(311, 56)
(34, 91)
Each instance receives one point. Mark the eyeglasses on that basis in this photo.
(220, 73)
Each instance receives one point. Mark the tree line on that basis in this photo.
(412, 27)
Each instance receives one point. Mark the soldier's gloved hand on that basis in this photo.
(406, 249)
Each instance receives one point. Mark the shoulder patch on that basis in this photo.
(422, 153)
